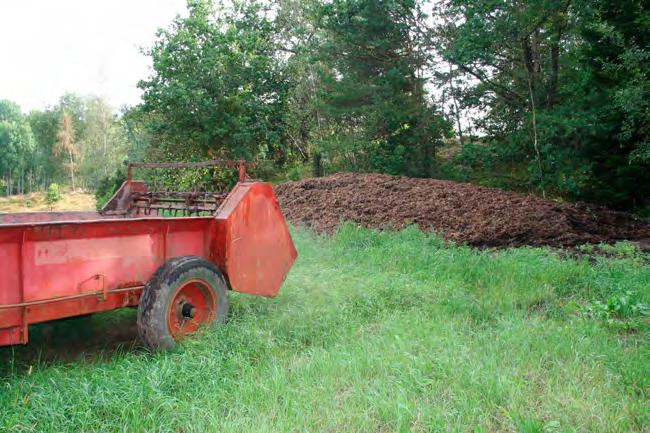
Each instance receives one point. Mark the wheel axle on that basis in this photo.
(188, 310)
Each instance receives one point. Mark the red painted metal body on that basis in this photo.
(57, 265)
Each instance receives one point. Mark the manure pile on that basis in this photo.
(464, 213)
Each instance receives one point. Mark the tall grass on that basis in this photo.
(371, 332)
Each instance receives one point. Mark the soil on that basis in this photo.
(464, 213)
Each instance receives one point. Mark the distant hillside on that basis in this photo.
(36, 202)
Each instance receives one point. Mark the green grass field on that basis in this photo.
(372, 332)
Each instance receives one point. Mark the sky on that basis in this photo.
(88, 47)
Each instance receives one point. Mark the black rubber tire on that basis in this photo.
(160, 290)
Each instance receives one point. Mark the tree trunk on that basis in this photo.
(555, 68)
(317, 165)
(456, 110)
(72, 171)
(531, 61)
(535, 143)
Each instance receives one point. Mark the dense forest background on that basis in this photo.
(543, 96)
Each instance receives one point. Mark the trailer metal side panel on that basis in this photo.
(257, 250)
(56, 269)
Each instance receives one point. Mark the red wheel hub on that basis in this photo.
(193, 305)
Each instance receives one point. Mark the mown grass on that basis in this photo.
(372, 332)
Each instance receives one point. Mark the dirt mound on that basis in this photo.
(462, 212)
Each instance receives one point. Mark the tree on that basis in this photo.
(75, 106)
(52, 195)
(66, 144)
(376, 91)
(47, 166)
(563, 88)
(216, 90)
(16, 146)
(305, 123)
(615, 90)
(104, 144)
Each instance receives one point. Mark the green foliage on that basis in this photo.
(346, 85)
(298, 171)
(623, 309)
(107, 186)
(44, 125)
(53, 194)
(374, 91)
(368, 115)
(487, 164)
(17, 154)
(216, 90)
(66, 146)
(104, 145)
(79, 136)
(372, 331)
(621, 249)
(563, 83)
(544, 96)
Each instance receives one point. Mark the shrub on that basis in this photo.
(52, 195)
(107, 187)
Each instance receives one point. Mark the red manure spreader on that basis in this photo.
(174, 255)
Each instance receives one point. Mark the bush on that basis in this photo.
(53, 194)
(299, 171)
(107, 187)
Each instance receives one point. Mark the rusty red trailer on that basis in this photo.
(137, 251)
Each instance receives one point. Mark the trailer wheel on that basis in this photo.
(184, 295)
